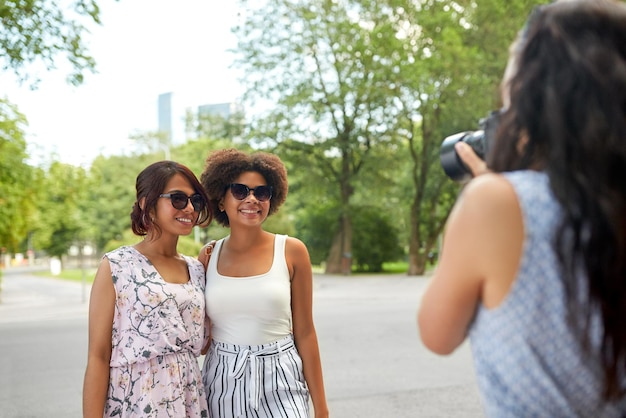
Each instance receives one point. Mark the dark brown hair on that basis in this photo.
(224, 166)
(568, 98)
(150, 183)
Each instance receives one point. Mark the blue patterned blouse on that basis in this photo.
(528, 362)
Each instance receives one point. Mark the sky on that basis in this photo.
(143, 48)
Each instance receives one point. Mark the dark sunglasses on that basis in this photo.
(241, 191)
(180, 200)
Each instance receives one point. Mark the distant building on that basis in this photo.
(224, 110)
(173, 110)
(171, 120)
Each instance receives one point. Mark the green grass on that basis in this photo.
(318, 269)
(75, 275)
(396, 267)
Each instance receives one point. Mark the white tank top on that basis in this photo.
(250, 310)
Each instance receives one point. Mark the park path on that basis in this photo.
(374, 363)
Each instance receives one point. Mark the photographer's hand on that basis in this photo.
(470, 159)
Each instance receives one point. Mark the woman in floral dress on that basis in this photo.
(146, 313)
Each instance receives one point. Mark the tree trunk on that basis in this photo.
(339, 259)
(333, 262)
(417, 264)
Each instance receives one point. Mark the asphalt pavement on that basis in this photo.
(373, 360)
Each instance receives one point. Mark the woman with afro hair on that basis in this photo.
(263, 359)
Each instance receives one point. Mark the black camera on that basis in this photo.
(480, 141)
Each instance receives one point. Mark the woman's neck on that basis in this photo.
(158, 247)
(241, 241)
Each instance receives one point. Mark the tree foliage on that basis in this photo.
(355, 96)
(323, 64)
(38, 31)
(33, 35)
(61, 206)
(456, 53)
(112, 193)
(375, 240)
(17, 179)
(357, 88)
(211, 125)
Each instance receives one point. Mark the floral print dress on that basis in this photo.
(158, 332)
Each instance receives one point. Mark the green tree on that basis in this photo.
(62, 210)
(210, 125)
(193, 153)
(112, 194)
(375, 240)
(157, 142)
(34, 33)
(323, 66)
(18, 188)
(315, 224)
(38, 31)
(353, 82)
(453, 61)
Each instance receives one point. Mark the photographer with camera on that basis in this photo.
(533, 264)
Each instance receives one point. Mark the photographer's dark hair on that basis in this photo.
(222, 167)
(568, 106)
(150, 183)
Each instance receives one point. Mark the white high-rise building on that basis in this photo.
(172, 114)
(224, 110)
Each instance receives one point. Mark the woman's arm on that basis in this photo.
(207, 335)
(101, 311)
(204, 256)
(482, 246)
(303, 327)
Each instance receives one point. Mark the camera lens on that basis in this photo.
(450, 161)
(479, 141)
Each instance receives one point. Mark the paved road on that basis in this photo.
(374, 363)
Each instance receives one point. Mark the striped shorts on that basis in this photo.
(255, 381)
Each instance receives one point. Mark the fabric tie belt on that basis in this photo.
(247, 359)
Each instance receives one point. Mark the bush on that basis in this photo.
(374, 239)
